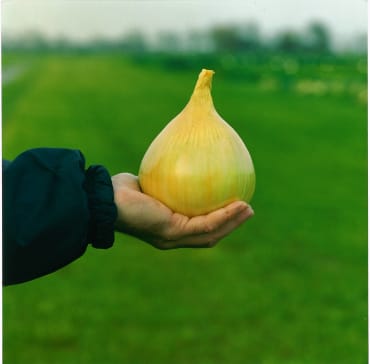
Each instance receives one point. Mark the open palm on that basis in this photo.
(149, 220)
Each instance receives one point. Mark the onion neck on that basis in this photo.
(201, 96)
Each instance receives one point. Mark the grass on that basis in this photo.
(290, 286)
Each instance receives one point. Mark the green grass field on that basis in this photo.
(289, 286)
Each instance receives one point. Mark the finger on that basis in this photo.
(127, 180)
(207, 224)
(211, 238)
(144, 213)
(230, 226)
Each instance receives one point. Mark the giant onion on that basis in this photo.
(198, 163)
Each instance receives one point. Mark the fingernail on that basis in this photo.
(250, 211)
(242, 206)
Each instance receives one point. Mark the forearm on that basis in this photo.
(52, 209)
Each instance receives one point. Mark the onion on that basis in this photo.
(198, 163)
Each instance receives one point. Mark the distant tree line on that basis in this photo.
(224, 38)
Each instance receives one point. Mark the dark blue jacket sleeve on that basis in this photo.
(52, 209)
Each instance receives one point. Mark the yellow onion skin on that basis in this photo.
(198, 163)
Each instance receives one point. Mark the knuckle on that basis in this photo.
(161, 245)
(170, 235)
(208, 227)
(211, 242)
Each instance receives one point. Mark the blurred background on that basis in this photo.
(105, 77)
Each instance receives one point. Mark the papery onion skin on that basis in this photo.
(198, 163)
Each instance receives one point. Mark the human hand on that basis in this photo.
(149, 220)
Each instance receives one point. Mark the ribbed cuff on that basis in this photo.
(103, 211)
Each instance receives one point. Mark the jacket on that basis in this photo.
(53, 208)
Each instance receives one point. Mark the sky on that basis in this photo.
(85, 19)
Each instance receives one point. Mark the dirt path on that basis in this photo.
(11, 73)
